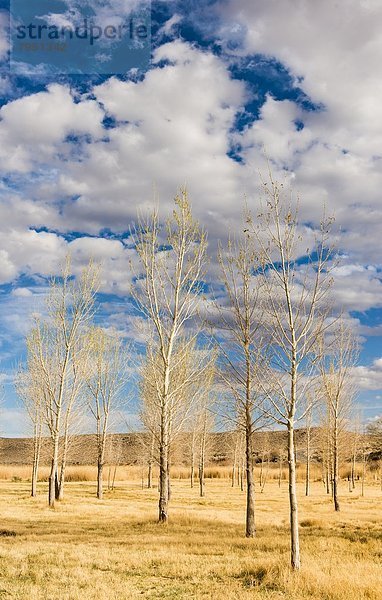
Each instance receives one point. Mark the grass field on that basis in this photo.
(86, 549)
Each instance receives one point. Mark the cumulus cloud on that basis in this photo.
(168, 134)
(369, 378)
(33, 126)
(115, 258)
(22, 292)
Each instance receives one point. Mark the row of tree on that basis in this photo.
(264, 348)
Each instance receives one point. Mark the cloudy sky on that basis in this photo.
(79, 153)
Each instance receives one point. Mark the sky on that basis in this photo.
(218, 82)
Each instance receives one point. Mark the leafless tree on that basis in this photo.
(168, 298)
(31, 392)
(55, 345)
(294, 267)
(338, 385)
(105, 377)
(168, 292)
(242, 348)
(374, 431)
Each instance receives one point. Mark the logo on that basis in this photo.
(79, 36)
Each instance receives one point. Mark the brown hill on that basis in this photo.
(132, 448)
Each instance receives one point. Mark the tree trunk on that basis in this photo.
(201, 479)
(114, 475)
(294, 533)
(53, 473)
(163, 471)
(100, 479)
(192, 470)
(327, 478)
(36, 462)
(150, 464)
(353, 471)
(202, 455)
(307, 470)
(34, 480)
(250, 527)
(335, 465)
(363, 474)
(168, 480)
(61, 483)
(102, 439)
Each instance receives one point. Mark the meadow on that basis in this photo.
(88, 549)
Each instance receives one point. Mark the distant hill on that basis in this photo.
(130, 448)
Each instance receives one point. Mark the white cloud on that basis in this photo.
(14, 423)
(369, 377)
(22, 292)
(116, 276)
(32, 126)
(171, 24)
(168, 134)
(332, 51)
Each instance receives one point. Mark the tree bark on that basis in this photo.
(53, 472)
(335, 466)
(100, 479)
(294, 533)
(36, 461)
(250, 527)
(353, 471)
(307, 469)
(192, 469)
(201, 479)
(61, 482)
(150, 464)
(163, 470)
(34, 480)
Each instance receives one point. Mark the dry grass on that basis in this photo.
(86, 549)
(79, 473)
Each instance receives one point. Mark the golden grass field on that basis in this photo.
(86, 549)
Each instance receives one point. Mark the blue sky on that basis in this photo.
(79, 153)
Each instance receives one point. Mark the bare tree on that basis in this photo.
(374, 431)
(31, 392)
(55, 346)
(338, 387)
(105, 379)
(295, 275)
(204, 420)
(242, 348)
(168, 294)
(190, 386)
